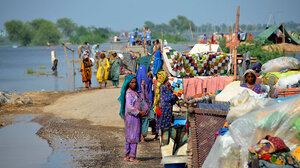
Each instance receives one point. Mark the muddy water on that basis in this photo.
(15, 61)
(21, 147)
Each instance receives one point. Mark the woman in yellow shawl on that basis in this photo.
(164, 99)
(103, 70)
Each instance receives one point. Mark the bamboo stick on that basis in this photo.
(68, 60)
(145, 41)
(235, 41)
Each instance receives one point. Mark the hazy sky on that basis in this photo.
(127, 14)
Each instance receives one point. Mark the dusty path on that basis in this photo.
(100, 106)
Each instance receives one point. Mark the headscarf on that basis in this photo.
(256, 66)
(122, 99)
(244, 76)
(161, 78)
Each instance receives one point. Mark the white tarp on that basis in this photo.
(200, 48)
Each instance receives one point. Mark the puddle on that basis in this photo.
(21, 147)
(23, 118)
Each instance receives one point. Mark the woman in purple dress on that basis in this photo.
(131, 112)
(249, 79)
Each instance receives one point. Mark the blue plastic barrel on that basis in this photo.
(175, 165)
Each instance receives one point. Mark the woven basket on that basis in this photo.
(204, 124)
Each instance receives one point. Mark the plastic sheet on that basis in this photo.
(278, 64)
(245, 103)
(280, 120)
(287, 81)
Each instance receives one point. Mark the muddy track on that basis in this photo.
(89, 145)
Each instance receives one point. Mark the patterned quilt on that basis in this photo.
(177, 85)
(205, 64)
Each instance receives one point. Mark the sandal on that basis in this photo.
(126, 159)
(134, 160)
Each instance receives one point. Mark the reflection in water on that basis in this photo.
(20, 147)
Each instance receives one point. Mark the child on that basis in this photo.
(131, 112)
(86, 70)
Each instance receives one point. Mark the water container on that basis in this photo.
(175, 165)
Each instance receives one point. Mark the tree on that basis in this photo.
(150, 25)
(26, 34)
(19, 32)
(45, 32)
(182, 24)
(67, 26)
(13, 28)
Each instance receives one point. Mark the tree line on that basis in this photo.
(45, 32)
(182, 24)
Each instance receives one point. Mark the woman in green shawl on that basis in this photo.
(115, 69)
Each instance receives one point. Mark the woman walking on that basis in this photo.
(86, 70)
(131, 112)
(158, 60)
(115, 69)
(103, 70)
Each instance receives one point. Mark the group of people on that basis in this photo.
(141, 106)
(137, 38)
(146, 102)
(146, 96)
(107, 68)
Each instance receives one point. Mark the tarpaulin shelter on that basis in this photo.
(269, 34)
(200, 48)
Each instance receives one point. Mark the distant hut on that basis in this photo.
(278, 34)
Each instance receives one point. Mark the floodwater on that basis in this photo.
(21, 147)
(15, 61)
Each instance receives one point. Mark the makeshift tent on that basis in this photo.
(269, 34)
(200, 48)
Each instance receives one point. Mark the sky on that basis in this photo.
(128, 14)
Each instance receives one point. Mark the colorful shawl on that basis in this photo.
(161, 78)
(121, 99)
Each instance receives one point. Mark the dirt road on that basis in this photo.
(84, 120)
(99, 106)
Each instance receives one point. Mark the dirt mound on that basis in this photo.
(289, 48)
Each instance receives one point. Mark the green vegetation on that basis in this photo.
(170, 38)
(42, 67)
(181, 25)
(37, 32)
(90, 34)
(30, 71)
(41, 73)
(67, 26)
(255, 48)
(45, 32)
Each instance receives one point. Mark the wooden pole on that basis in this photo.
(283, 35)
(235, 41)
(191, 31)
(145, 41)
(230, 47)
(68, 60)
(73, 70)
